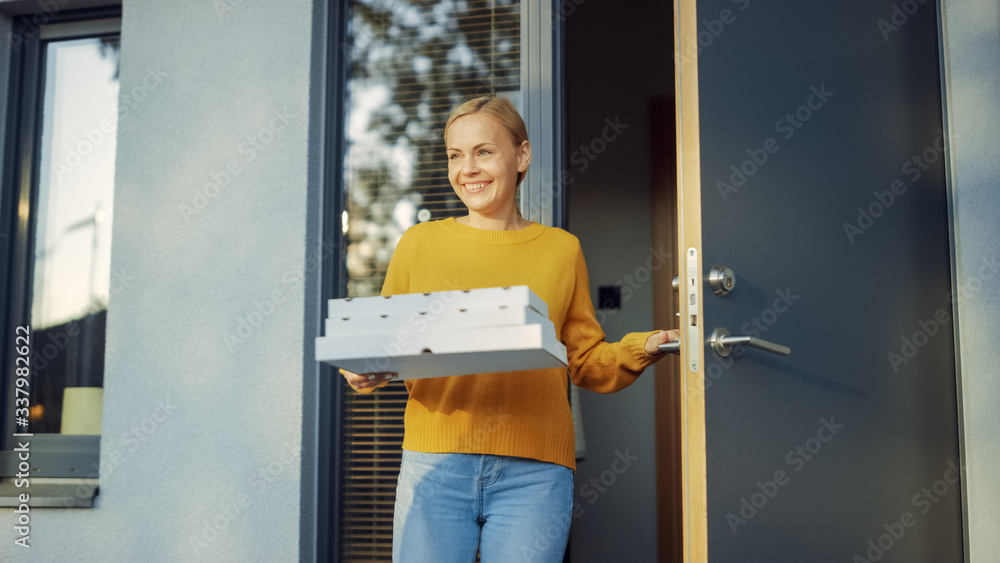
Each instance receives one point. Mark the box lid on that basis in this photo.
(438, 301)
(410, 323)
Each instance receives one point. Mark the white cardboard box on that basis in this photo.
(476, 331)
(448, 352)
(411, 323)
(519, 295)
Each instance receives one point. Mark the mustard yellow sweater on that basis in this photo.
(524, 414)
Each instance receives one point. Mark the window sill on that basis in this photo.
(50, 493)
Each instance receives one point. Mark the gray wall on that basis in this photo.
(204, 410)
(609, 210)
(972, 55)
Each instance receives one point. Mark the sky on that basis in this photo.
(76, 182)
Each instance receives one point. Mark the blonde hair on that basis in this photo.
(500, 110)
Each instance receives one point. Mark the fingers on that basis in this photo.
(366, 380)
(665, 336)
(662, 337)
(373, 379)
(653, 343)
(376, 379)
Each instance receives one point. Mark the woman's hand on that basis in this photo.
(662, 337)
(367, 380)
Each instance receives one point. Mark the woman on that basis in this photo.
(488, 459)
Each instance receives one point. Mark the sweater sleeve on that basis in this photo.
(397, 275)
(604, 367)
(397, 281)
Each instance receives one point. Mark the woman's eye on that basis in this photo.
(452, 156)
(484, 152)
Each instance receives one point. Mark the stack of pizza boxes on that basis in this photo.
(498, 329)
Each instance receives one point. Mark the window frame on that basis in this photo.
(543, 191)
(330, 404)
(65, 468)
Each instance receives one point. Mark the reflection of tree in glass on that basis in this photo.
(411, 62)
(111, 48)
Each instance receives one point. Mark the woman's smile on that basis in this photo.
(477, 187)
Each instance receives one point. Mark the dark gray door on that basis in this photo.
(823, 189)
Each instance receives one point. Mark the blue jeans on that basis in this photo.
(448, 506)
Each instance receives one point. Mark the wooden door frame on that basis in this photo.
(692, 400)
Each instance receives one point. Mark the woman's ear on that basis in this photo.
(524, 156)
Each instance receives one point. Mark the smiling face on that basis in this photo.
(483, 165)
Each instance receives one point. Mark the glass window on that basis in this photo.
(71, 277)
(409, 64)
(56, 211)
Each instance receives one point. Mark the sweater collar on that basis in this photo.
(531, 232)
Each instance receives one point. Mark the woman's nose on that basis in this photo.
(470, 167)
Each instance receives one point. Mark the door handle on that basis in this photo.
(722, 343)
(671, 347)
